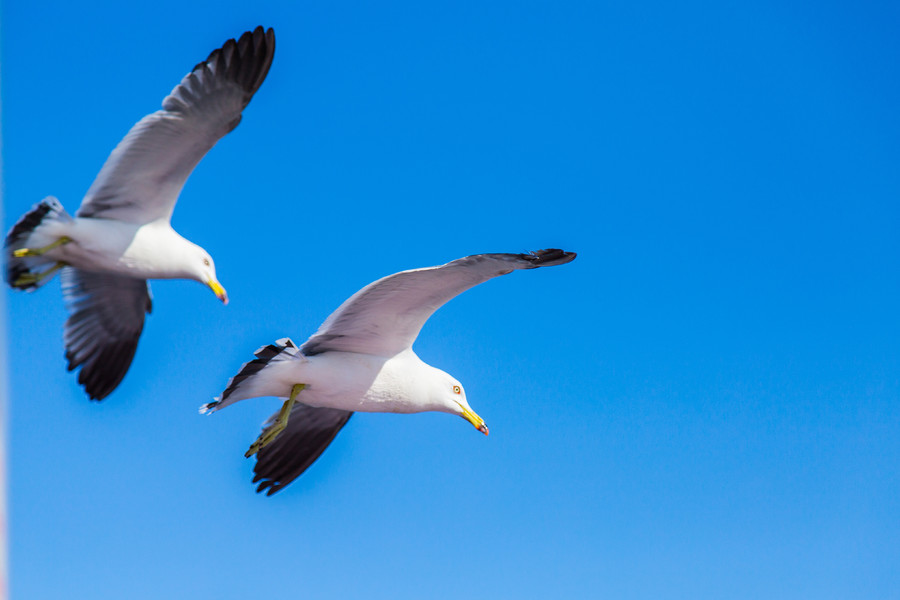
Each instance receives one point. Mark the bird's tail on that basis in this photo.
(30, 271)
(245, 384)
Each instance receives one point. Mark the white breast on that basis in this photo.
(367, 383)
(150, 251)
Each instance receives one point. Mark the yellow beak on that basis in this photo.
(474, 419)
(218, 290)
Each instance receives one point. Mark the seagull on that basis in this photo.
(361, 360)
(121, 235)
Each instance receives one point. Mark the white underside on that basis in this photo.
(150, 251)
(348, 381)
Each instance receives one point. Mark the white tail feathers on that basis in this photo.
(242, 385)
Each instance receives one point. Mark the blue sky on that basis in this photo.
(704, 404)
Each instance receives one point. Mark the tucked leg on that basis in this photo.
(21, 252)
(29, 279)
(278, 426)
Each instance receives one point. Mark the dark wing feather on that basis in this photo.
(106, 317)
(144, 174)
(264, 356)
(308, 433)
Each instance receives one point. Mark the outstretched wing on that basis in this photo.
(143, 176)
(106, 317)
(308, 433)
(385, 317)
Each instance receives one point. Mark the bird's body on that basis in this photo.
(361, 360)
(350, 381)
(140, 251)
(121, 235)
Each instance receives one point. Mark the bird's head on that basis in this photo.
(203, 269)
(453, 398)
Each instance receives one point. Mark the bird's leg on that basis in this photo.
(278, 426)
(22, 252)
(27, 279)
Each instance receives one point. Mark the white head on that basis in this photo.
(448, 393)
(202, 269)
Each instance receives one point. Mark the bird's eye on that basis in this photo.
(206, 262)
(457, 389)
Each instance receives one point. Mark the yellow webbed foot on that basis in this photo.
(23, 252)
(33, 279)
(271, 432)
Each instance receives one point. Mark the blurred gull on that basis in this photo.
(121, 235)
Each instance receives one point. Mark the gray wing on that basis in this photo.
(106, 317)
(385, 317)
(308, 433)
(143, 176)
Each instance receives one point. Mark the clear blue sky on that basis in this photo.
(706, 404)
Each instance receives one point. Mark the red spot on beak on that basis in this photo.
(483, 429)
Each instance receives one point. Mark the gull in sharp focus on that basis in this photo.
(121, 235)
(361, 359)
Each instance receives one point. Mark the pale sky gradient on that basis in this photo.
(705, 404)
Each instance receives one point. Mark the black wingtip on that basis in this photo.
(249, 58)
(549, 257)
(102, 332)
(257, 46)
(102, 373)
(309, 433)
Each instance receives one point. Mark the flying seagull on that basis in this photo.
(121, 235)
(361, 360)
